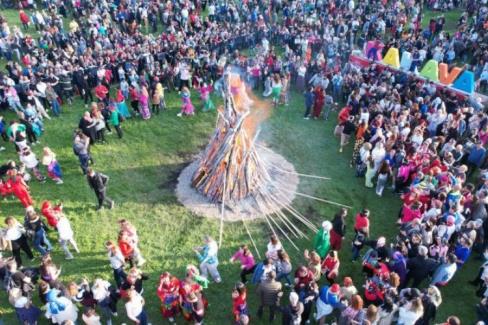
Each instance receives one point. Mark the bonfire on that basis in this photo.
(230, 168)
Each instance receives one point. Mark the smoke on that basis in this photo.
(246, 100)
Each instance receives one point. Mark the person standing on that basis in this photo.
(35, 226)
(207, 254)
(319, 101)
(53, 167)
(16, 234)
(309, 100)
(292, 314)
(115, 119)
(98, 182)
(269, 293)
(135, 308)
(321, 241)
(117, 262)
(81, 146)
(338, 231)
(66, 236)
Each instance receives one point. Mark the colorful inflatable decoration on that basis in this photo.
(430, 71)
(406, 61)
(373, 50)
(446, 77)
(392, 58)
(465, 82)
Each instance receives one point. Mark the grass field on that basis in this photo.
(143, 168)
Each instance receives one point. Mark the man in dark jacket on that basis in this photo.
(420, 267)
(269, 292)
(98, 182)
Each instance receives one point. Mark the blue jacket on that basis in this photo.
(477, 156)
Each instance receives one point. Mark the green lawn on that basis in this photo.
(451, 19)
(143, 168)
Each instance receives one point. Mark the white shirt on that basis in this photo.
(117, 260)
(91, 320)
(64, 229)
(134, 306)
(100, 290)
(30, 160)
(272, 251)
(14, 233)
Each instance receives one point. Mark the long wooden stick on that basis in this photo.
(252, 240)
(318, 199)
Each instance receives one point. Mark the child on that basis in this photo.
(130, 230)
(66, 236)
(205, 91)
(276, 87)
(53, 168)
(239, 304)
(28, 158)
(187, 107)
(157, 96)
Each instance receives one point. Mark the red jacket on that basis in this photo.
(50, 213)
(125, 248)
(24, 19)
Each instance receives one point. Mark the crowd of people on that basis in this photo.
(425, 143)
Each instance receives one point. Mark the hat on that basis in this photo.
(294, 298)
(335, 289)
(381, 241)
(327, 225)
(450, 220)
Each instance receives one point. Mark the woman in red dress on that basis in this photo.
(330, 266)
(187, 287)
(319, 102)
(19, 188)
(169, 293)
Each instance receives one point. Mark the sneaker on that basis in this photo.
(115, 314)
(340, 150)
(59, 181)
(179, 115)
(171, 320)
(2, 148)
(70, 257)
(306, 118)
(112, 205)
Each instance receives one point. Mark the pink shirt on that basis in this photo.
(409, 215)
(246, 261)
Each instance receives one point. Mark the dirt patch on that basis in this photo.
(274, 195)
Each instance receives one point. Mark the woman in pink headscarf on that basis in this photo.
(144, 103)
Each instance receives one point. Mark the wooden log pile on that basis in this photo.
(229, 168)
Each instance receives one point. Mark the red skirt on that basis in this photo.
(335, 240)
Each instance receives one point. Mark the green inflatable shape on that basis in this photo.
(431, 70)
